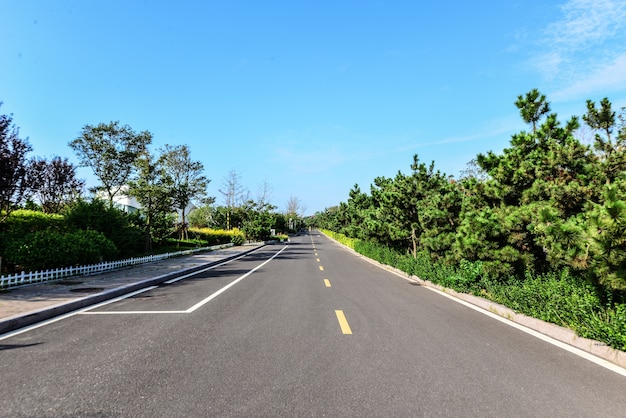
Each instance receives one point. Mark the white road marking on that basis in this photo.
(197, 305)
(87, 310)
(67, 315)
(228, 286)
(574, 350)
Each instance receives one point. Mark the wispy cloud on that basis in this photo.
(494, 128)
(611, 76)
(585, 49)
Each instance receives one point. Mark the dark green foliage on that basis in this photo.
(14, 185)
(607, 229)
(122, 229)
(43, 250)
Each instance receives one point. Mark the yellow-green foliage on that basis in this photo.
(348, 242)
(217, 236)
(24, 221)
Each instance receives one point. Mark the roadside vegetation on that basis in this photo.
(49, 220)
(540, 227)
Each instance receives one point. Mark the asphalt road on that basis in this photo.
(305, 329)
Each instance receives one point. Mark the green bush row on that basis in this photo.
(210, 237)
(42, 250)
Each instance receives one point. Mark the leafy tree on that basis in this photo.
(111, 151)
(536, 189)
(186, 179)
(260, 218)
(153, 191)
(54, 183)
(14, 186)
(402, 204)
(357, 215)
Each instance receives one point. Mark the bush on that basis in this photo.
(22, 222)
(44, 250)
(212, 237)
(115, 224)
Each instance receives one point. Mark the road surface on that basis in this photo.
(303, 329)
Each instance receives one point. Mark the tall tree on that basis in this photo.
(188, 182)
(54, 183)
(110, 150)
(152, 189)
(532, 107)
(13, 166)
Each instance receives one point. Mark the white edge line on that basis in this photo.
(67, 315)
(574, 350)
(231, 284)
(85, 310)
(174, 280)
(132, 312)
(197, 305)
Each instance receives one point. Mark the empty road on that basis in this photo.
(297, 330)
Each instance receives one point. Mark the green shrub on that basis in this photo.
(23, 221)
(116, 225)
(608, 325)
(212, 237)
(237, 237)
(44, 250)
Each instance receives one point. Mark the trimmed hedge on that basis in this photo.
(212, 237)
(44, 250)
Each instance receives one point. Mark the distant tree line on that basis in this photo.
(548, 202)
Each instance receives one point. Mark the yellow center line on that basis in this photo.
(343, 322)
(318, 260)
(327, 282)
(321, 268)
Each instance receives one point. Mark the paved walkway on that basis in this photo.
(27, 305)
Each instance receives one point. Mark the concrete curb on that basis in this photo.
(564, 335)
(14, 323)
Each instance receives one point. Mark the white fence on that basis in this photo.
(26, 278)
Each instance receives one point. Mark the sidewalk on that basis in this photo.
(27, 305)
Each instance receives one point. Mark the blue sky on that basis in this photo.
(309, 97)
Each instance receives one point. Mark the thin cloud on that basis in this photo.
(497, 127)
(585, 49)
(604, 79)
(586, 22)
